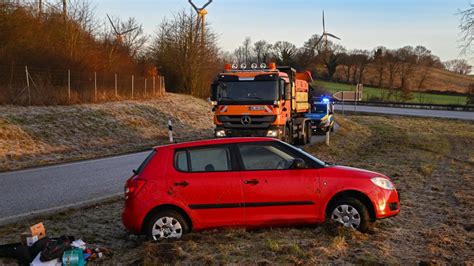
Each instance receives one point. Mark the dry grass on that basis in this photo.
(32, 136)
(429, 161)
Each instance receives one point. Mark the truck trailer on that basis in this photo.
(262, 101)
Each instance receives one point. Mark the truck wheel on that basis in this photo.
(309, 133)
(301, 140)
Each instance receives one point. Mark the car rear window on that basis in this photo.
(145, 162)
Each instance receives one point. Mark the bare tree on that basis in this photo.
(380, 63)
(285, 53)
(460, 66)
(263, 51)
(179, 54)
(393, 66)
(467, 29)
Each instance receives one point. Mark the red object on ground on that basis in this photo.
(252, 182)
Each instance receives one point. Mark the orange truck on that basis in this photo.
(262, 101)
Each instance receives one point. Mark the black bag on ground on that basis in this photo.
(23, 254)
(55, 248)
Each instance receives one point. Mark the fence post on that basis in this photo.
(68, 85)
(162, 86)
(133, 84)
(145, 86)
(116, 85)
(154, 91)
(28, 84)
(95, 86)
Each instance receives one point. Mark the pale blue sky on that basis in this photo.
(360, 23)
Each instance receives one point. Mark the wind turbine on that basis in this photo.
(202, 12)
(325, 35)
(119, 35)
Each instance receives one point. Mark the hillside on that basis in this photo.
(32, 136)
(438, 80)
(441, 80)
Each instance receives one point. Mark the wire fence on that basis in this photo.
(36, 86)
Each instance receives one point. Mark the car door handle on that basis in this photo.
(181, 184)
(251, 182)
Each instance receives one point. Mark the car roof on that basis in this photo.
(210, 142)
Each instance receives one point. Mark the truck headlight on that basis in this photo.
(383, 183)
(272, 133)
(220, 133)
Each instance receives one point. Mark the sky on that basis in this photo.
(361, 24)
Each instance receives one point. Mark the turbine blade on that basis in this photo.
(194, 6)
(113, 26)
(208, 3)
(332, 35)
(324, 23)
(127, 31)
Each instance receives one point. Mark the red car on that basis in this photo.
(249, 182)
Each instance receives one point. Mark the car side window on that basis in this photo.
(181, 161)
(208, 159)
(264, 157)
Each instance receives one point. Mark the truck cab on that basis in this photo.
(261, 101)
(321, 115)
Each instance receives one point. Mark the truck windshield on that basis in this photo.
(320, 108)
(248, 91)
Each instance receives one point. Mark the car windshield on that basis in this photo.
(320, 108)
(307, 154)
(248, 91)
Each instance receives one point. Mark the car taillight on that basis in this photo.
(133, 187)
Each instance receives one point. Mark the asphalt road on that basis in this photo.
(47, 189)
(407, 111)
(26, 192)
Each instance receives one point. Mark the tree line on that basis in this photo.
(79, 40)
(404, 68)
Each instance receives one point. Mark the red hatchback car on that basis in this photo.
(249, 182)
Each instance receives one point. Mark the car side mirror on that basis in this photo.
(298, 164)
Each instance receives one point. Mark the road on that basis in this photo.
(407, 111)
(52, 188)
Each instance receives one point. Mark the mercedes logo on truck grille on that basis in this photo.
(246, 120)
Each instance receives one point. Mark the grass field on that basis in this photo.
(377, 94)
(38, 135)
(430, 165)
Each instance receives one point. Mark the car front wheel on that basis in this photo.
(166, 225)
(351, 213)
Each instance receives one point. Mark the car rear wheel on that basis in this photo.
(166, 225)
(351, 213)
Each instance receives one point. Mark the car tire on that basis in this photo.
(350, 212)
(166, 225)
